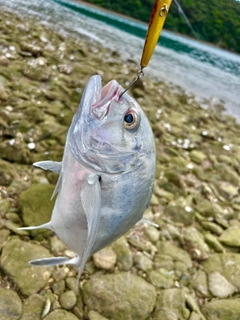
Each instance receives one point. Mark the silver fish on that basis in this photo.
(106, 174)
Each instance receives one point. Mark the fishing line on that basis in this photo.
(158, 16)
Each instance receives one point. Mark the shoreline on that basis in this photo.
(145, 23)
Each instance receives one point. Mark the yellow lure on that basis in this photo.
(157, 19)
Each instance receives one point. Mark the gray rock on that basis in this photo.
(120, 296)
(225, 263)
(219, 286)
(33, 307)
(36, 206)
(168, 248)
(68, 299)
(10, 305)
(231, 236)
(105, 258)
(124, 255)
(223, 309)
(14, 261)
(60, 315)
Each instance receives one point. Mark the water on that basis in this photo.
(198, 68)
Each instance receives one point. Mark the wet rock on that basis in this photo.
(36, 206)
(142, 262)
(60, 315)
(231, 236)
(135, 297)
(59, 287)
(68, 299)
(4, 234)
(33, 307)
(219, 286)
(93, 315)
(10, 305)
(124, 255)
(168, 248)
(197, 156)
(163, 261)
(200, 283)
(172, 300)
(227, 190)
(7, 173)
(194, 243)
(5, 206)
(178, 213)
(162, 278)
(223, 309)
(105, 258)
(213, 243)
(14, 260)
(227, 264)
(152, 233)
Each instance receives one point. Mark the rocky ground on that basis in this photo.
(189, 268)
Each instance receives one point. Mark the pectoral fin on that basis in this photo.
(53, 166)
(91, 202)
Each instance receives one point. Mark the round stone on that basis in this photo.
(10, 305)
(68, 299)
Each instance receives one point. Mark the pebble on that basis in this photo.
(33, 307)
(124, 255)
(120, 296)
(105, 258)
(14, 260)
(142, 262)
(10, 305)
(231, 236)
(68, 299)
(219, 286)
(60, 314)
(93, 315)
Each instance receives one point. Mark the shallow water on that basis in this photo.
(198, 68)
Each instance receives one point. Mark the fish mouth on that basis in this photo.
(104, 97)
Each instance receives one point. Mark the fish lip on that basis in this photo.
(101, 106)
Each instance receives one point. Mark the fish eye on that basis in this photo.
(131, 120)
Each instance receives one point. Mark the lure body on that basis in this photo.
(106, 174)
(157, 19)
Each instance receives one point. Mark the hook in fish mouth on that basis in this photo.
(101, 107)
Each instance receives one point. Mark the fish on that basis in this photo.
(106, 174)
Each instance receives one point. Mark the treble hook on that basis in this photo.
(140, 74)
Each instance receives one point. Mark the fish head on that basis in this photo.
(109, 132)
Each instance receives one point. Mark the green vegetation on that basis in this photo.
(215, 21)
